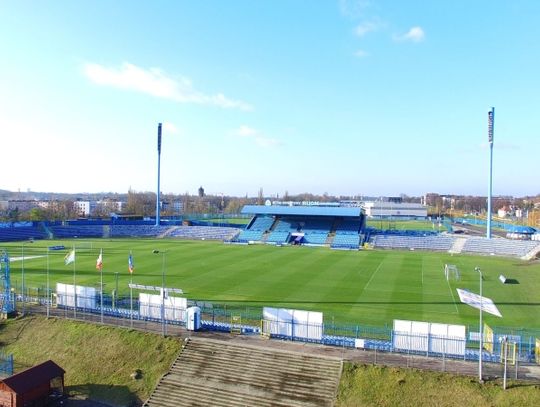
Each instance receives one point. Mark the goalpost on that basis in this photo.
(83, 245)
(451, 272)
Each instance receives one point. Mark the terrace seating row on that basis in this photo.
(263, 223)
(317, 225)
(349, 226)
(278, 237)
(346, 241)
(246, 236)
(413, 242)
(286, 225)
(137, 230)
(63, 232)
(216, 373)
(391, 232)
(308, 226)
(21, 233)
(204, 232)
(315, 238)
(499, 247)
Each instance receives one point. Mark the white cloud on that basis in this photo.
(361, 53)
(353, 8)
(258, 137)
(415, 34)
(245, 131)
(367, 27)
(157, 83)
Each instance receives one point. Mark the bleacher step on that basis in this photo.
(210, 372)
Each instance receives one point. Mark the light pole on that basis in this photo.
(22, 273)
(163, 331)
(477, 269)
(380, 210)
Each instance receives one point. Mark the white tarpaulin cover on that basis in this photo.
(429, 337)
(150, 306)
(86, 296)
(293, 323)
(474, 300)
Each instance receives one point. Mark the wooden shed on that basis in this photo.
(33, 386)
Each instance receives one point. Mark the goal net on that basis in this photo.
(83, 245)
(451, 272)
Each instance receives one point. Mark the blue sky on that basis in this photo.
(345, 97)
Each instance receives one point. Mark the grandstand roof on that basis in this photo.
(302, 210)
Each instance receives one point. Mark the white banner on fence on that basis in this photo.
(150, 306)
(411, 335)
(429, 337)
(293, 323)
(86, 296)
(474, 300)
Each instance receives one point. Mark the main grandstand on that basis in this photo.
(336, 227)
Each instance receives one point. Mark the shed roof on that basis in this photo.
(302, 210)
(26, 380)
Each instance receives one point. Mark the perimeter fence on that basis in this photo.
(247, 320)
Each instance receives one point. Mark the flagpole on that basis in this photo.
(74, 285)
(101, 273)
(99, 265)
(130, 267)
(48, 295)
(131, 300)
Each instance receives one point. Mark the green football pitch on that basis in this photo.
(370, 287)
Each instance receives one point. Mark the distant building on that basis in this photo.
(174, 207)
(84, 208)
(430, 199)
(88, 208)
(376, 209)
(22, 205)
(501, 213)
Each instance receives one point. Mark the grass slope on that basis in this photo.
(98, 360)
(363, 385)
(357, 287)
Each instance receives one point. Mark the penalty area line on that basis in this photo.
(373, 275)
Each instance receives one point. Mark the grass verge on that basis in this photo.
(98, 360)
(366, 385)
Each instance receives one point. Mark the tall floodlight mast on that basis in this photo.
(491, 120)
(158, 171)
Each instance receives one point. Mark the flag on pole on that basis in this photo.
(99, 261)
(70, 257)
(130, 264)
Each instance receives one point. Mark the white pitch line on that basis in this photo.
(373, 275)
(25, 257)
